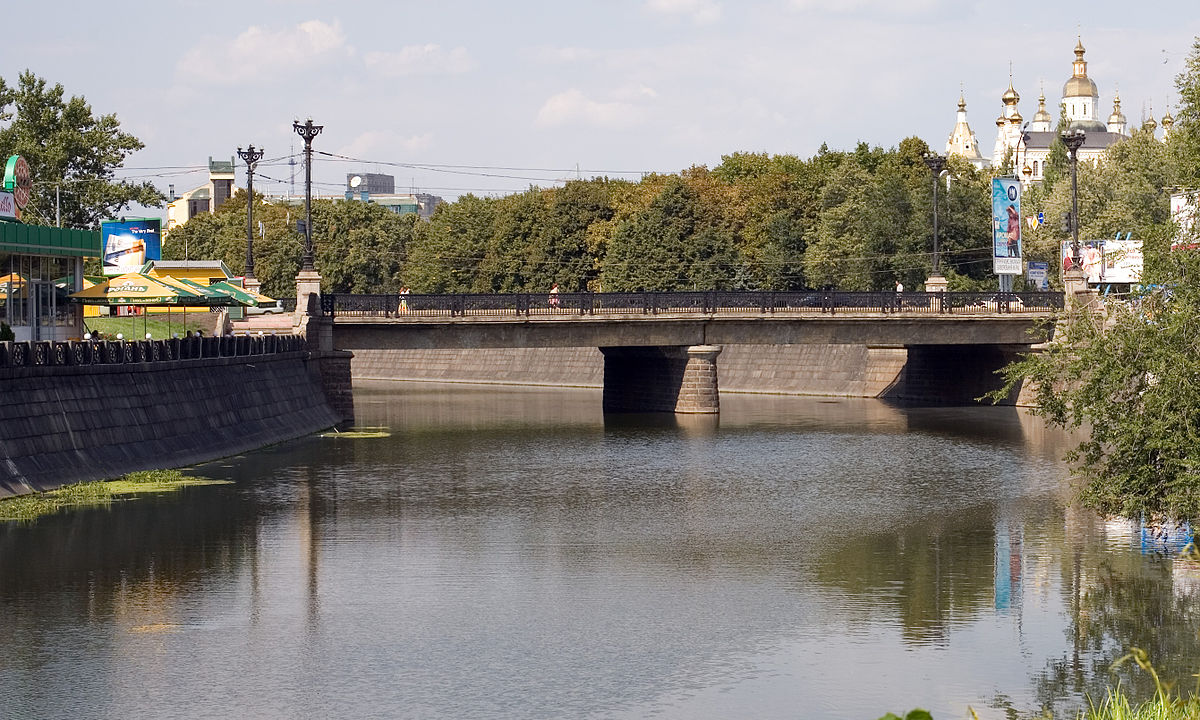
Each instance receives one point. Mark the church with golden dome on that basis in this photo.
(1024, 146)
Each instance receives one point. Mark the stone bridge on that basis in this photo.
(661, 351)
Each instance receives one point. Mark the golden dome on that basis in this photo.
(1010, 96)
(1016, 117)
(1117, 116)
(1168, 120)
(1041, 115)
(1080, 85)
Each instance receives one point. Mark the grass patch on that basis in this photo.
(135, 327)
(1116, 706)
(28, 508)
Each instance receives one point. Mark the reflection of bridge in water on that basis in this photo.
(660, 349)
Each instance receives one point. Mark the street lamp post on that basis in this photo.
(936, 164)
(307, 132)
(250, 156)
(1074, 140)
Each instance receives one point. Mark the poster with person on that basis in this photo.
(1006, 226)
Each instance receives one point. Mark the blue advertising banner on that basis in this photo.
(1038, 275)
(126, 245)
(1006, 226)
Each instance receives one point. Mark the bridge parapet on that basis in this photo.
(617, 304)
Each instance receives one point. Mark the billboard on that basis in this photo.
(1108, 261)
(1006, 226)
(126, 245)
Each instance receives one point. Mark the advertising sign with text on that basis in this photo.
(1006, 226)
(126, 245)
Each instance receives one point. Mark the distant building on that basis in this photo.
(1080, 105)
(380, 189)
(205, 199)
(428, 203)
(963, 142)
(1185, 209)
(373, 183)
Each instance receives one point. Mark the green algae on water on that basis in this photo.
(358, 433)
(99, 492)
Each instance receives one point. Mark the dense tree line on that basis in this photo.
(856, 220)
(851, 220)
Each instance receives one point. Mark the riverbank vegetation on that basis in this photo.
(1131, 375)
(100, 492)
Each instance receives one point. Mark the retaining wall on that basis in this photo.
(809, 369)
(71, 422)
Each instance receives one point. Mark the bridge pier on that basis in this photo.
(678, 379)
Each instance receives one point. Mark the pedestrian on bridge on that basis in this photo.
(553, 300)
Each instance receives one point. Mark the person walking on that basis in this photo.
(553, 300)
(403, 299)
(899, 290)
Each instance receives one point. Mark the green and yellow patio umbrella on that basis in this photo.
(146, 290)
(139, 289)
(246, 297)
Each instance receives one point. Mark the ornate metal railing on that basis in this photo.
(115, 352)
(702, 302)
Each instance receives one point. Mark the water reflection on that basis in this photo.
(514, 552)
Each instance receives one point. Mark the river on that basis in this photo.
(513, 553)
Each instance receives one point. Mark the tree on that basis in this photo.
(359, 247)
(1134, 381)
(679, 242)
(71, 150)
(1185, 138)
(446, 252)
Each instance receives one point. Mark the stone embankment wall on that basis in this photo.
(839, 370)
(86, 419)
(920, 374)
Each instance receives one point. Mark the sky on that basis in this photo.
(453, 97)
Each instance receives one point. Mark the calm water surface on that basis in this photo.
(513, 553)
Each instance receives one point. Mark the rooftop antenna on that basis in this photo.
(292, 167)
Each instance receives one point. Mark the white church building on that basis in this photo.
(1025, 146)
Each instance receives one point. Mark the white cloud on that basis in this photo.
(574, 108)
(428, 59)
(564, 54)
(891, 7)
(702, 12)
(384, 143)
(634, 92)
(259, 53)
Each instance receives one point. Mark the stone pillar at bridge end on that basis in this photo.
(699, 392)
(308, 283)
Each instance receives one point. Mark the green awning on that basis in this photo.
(18, 237)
